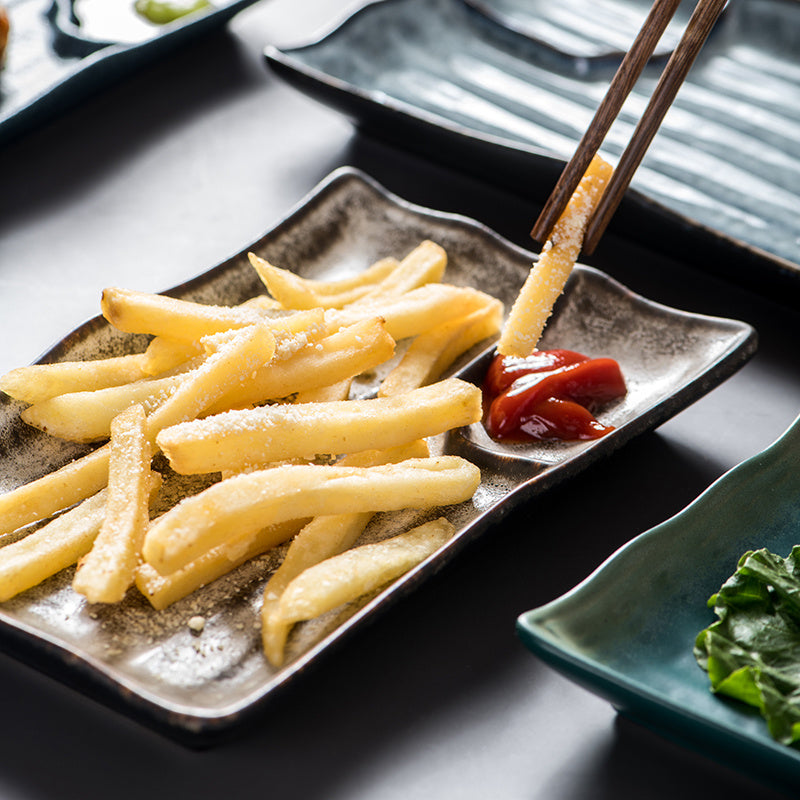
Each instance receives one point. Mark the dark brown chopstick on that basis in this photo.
(697, 30)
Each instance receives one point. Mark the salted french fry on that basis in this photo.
(164, 354)
(293, 291)
(325, 394)
(238, 355)
(245, 503)
(87, 416)
(56, 545)
(163, 590)
(349, 575)
(236, 439)
(140, 312)
(108, 570)
(546, 280)
(416, 311)
(342, 355)
(321, 538)
(426, 263)
(40, 382)
(431, 353)
(55, 491)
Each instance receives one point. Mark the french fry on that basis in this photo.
(342, 355)
(245, 503)
(425, 264)
(321, 538)
(55, 491)
(431, 353)
(108, 570)
(56, 545)
(349, 575)
(416, 311)
(163, 590)
(546, 280)
(164, 354)
(157, 314)
(40, 382)
(238, 355)
(87, 416)
(292, 291)
(236, 439)
(325, 394)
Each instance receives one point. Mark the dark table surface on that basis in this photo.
(179, 166)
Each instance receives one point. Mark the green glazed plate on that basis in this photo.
(626, 632)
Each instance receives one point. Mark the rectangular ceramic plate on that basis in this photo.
(149, 664)
(53, 59)
(718, 186)
(627, 632)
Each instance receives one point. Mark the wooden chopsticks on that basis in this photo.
(697, 30)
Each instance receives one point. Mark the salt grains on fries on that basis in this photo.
(239, 439)
(107, 571)
(549, 274)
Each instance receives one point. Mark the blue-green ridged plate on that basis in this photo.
(626, 633)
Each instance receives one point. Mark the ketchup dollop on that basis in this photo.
(550, 394)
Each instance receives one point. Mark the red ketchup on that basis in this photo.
(550, 394)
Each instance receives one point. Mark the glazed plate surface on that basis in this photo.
(626, 633)
(149, 664)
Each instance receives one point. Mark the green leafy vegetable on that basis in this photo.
(163, 11)
(752, 653)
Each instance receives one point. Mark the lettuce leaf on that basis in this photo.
(752, 652)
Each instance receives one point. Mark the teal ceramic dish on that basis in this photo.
(59, 52)
(626, 632)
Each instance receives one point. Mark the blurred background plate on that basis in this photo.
(59, 51)
(719, 185)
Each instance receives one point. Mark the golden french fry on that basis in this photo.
(238, 355)
(245, 503)
(87, 416)
(425, 264)
(164, 355)
(140, 312)
(107, 571)
(325, 394)
(236, 439)
(342, 355)
(40, 382)
(321, 538)
(416, 311)
(292, 291)
(56, 545)
(431, 353)
(55, 491)
(349, 575)
(163, 590)
(546, 280)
